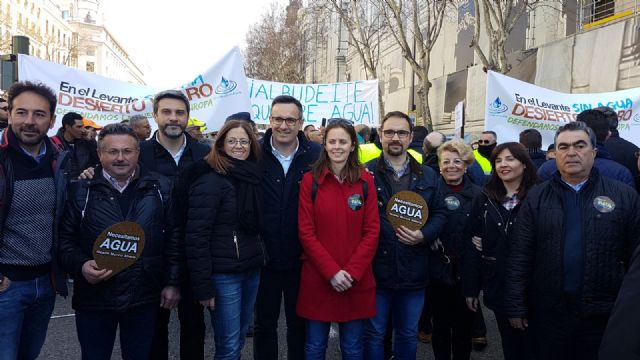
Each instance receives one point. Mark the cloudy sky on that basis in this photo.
(173, 41)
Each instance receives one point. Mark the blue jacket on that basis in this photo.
(280, 191)
(396, 265)
(59, 165)
(603, 162)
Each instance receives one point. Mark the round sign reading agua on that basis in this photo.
(119, 246)
(409, 209)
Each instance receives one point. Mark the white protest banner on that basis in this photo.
(213, 95)
(355, 100)
(514, 105)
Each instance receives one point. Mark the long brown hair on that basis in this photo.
(218, 160)
(352, 169)
(495, 189)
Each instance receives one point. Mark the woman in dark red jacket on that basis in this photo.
(339, 227)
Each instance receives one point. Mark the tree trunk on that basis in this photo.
(381, 112)
(423, 98)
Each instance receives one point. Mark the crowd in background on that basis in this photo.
(245, 223)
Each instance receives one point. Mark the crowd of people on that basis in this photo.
(247, 222)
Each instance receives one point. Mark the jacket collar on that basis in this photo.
(304, 145)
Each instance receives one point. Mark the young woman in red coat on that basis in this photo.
(339, 225)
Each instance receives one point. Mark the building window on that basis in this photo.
(90, 66)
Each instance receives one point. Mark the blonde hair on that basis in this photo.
(457, 146)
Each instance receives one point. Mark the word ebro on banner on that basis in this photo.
(338, 100)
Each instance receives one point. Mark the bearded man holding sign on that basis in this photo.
(408, 193)
(118, 240)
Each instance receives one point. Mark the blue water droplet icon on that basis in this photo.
(225, 82)
(497, 103)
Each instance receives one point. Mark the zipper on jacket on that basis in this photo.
(235, 241)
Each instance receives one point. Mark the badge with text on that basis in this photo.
(604, 204)
(407, 208)
(119, 246)
(452, 202)
(355, 202)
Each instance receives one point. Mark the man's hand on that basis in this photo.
(170, 297)
(477, 242)
(409, 237)
(341, 281)
(472, 303)
(93, 274)
(519, 323)
(87, 173)
(209, 303)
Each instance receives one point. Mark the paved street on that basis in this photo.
(62, 342)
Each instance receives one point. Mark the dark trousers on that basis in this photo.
(568, 335)
(97, 332)
(424, 325)
(274, 285)
(516, 344)
(192, 328)
(452, 322)
(478, 328)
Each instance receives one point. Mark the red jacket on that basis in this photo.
(336, 237)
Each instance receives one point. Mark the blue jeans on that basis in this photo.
(351, 332)
(235, 297)
(25, 310)
(405, 307)
(97, 332)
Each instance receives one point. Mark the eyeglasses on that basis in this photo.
(125, 152)
(340, 121)
(402, 134)
(455, 162)
(484, 142)
(234, 142)
(289, 121)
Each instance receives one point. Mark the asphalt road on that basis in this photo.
(62, 342)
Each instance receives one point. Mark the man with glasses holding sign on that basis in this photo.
(286, 156)
(408, 193)
(118, 240)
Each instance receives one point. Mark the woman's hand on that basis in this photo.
(472, 303)
(341, 281)
(519, 323)
(409, 237)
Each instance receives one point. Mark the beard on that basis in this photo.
(394, 152)
(486, 150)
(173, 131)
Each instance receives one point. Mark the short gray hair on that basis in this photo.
(576, 126)
(135, 119)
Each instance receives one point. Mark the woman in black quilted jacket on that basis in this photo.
(223, 245)
(487, 243)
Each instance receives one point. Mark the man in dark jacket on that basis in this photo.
(573, 240)
(621, 150)
(121, 191)
(400, 265)
(606, 166)
(531, 139)
(72, 137)
(32, 188)
(286, 156)
(169, 152)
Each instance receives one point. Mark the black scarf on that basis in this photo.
(245, 175)
(486, 150)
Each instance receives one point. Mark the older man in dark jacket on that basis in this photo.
(572, 244)
(121, 191)
(400, 265)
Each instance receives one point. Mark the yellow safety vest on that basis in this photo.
(368, 152)
(483, 162)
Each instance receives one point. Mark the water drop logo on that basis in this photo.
(636, 118)
(225, 86)
(497, 107)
